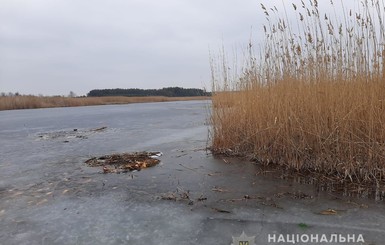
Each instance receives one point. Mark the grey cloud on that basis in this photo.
(54, 46)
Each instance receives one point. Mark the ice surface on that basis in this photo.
(48, 195)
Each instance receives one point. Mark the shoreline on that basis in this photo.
(36, 102)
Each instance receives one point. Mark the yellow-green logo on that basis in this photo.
(243, 240)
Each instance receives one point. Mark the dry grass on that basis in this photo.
(31, 102)
(314, 100)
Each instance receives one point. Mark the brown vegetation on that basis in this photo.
(122, 163)
(315, 101)
(31, 102)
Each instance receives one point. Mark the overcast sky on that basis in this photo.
(52, 47)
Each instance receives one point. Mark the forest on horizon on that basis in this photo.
(133, 92)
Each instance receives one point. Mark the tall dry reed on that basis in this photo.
(314, 99)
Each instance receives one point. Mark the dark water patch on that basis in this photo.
(70, 134)
(338, 187)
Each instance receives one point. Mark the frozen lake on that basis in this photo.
(48, 195)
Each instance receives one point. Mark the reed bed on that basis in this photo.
(32, 102)
(314, 99)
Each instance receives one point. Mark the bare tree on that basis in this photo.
(72, 94)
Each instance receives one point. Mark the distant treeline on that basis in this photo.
(132, 92)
